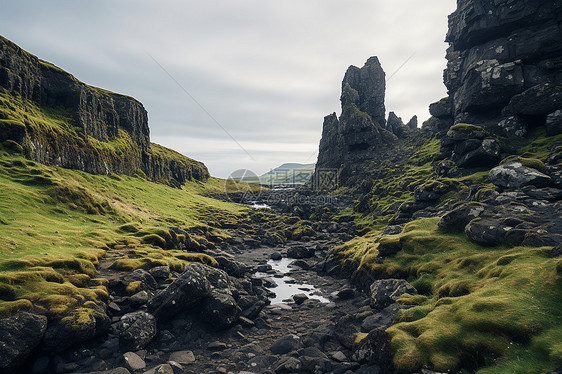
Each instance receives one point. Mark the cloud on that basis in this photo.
(267, 71)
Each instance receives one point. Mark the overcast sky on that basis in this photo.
(266, 71)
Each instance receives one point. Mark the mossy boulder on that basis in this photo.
(516, 172)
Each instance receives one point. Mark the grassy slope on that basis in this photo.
(56, 223)
(490, 310)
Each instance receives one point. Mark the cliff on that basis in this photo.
(361, 134)
(58, 120)
(503, 75)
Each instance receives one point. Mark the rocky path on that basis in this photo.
(310, 327)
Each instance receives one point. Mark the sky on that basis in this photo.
(239, 84)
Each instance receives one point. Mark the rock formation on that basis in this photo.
(503, 72)
(361, 132)
(110, 133)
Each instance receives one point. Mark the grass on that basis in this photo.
(480, 309)
(56, 225)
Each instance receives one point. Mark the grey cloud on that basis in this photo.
(268, 71)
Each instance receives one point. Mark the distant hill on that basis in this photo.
(288, 174)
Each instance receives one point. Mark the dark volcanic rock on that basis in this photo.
(504, 61)
(286, 344)
(184, 293)
(457, 219)
(513, 174)
(386, 291)
(360, 131)
(19, 335)
(136, 330)
(219, 310)
(72, 330)
(300, 252)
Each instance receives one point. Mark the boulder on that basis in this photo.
(385, 292)
(183, 294)
(19, 336)
(74, 329)
(512, 126)
(219, 310)
(133, 361)
(300, 298)
(286, 344)
(143, 278)
(513, 174)
(457, 219)
(486, 232)
(300, 252)
(374, 349)
(160, 272)
(136, 330)
(233, 268)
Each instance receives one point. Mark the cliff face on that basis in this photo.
(503, 76)
(361, 133)
(107, 132)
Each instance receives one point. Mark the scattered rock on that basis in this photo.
(287, 364)
(219, 310)
(140, 298)
(486, 232)
(300, 252)
(300, 298)
(133, 361)
(216, 346)
(457, 219)
(386, 291)
(513, 174)
(346, 294)
(286, 344)
(160, 272)
(374, 349)
(276, 256)
(136, 330)
(183, 294)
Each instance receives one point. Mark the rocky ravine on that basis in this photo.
(209, 320)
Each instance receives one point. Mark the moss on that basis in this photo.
(528, 162)
(154, 239)
(360, 336)
(465, 127)
(133, 287)
(10, 308)
(476, 301)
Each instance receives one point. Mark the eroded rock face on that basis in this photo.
(504, 61)
(98, 115)
(354, 138)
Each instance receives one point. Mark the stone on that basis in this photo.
(133, 361)
(554, 123)
(512, 126)
(382, 319)
(74, 329)
(286, 344)
(543, 193)
(513, 174)
(160, 272)
(386, 291)
(177, 368)
(219, 310)
(41, 365)
(338, 356)
(556, 251)
(374, 349)
(216, 346)
(300, 298)
(231, 267)
(183, 294)
(140, 298)
(276, 256)
(19, 336)
(300, 252)
(136, 330)
(288, 365)
(486, 232)
(457, 219)
(346, 294)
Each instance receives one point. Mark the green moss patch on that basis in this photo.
(479, 308)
